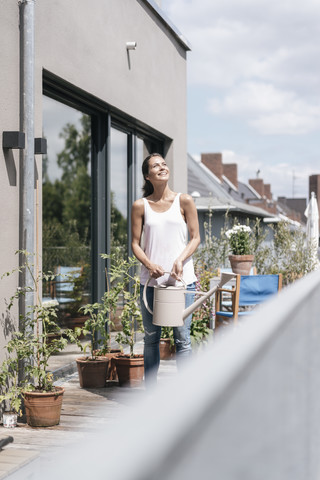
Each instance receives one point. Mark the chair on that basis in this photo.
(249, 291)
(62, 287)
(226, 298)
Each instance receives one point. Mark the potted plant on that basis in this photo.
(92, 368)
(241, 246)
(125, 283)
(167, 346)
(100, 321)
(30, 346)
(11, 391)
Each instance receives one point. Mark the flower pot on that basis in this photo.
(167, 351)
(241, 264)
(43, 409)
(9, 419)
(112, 370)
(130, 370)
(92, 373)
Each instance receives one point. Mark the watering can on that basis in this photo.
(169, 302)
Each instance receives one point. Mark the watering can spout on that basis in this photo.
(225, 278)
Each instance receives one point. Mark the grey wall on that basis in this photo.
(85, 44)
(9, 160)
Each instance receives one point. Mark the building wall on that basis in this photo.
(84, 44)
(9, 177)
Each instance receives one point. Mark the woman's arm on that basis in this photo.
(137, 215)
(191, 216)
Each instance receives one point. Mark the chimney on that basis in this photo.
(213, 161)
(267, 191)
(230, 170)
(257, 184)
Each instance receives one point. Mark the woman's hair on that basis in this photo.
(147, 186)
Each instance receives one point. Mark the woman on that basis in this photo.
(164, 217)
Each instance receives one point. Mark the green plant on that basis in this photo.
(99, 322)
(288, 254)
(167, 332)
(280, 248)
(10, 390)
(31, 346)
(213, 252)
(125, 283)
(240, 239)
(200, 325)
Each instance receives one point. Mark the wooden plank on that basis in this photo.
(14, 459)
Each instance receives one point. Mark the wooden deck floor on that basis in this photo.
(82, 411)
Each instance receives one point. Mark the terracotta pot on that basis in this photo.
(241, 264)
(112, 370)
(43, 409)
(130, 370)
(167, 351)
(92, 373)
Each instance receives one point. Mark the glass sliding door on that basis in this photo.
(119, 190)
(66, 208)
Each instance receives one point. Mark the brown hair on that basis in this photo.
(147, 186)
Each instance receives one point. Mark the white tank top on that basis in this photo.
(165, 236)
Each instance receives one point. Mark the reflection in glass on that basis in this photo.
(138, 168)
(66, 205)
(119, 190)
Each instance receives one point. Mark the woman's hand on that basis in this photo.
(177, 270)
(155, 271)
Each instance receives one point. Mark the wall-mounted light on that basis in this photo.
(131, 45)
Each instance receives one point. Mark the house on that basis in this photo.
(216, 193)
(88, 90)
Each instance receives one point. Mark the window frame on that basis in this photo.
(103, 118)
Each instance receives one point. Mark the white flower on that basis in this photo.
(238, 229)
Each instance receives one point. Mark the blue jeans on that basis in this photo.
(152, 336)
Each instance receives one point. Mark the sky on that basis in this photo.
(253, 78)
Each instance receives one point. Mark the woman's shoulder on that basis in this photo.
(186, 199)
(138, 205)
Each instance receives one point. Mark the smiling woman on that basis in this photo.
(165, 218)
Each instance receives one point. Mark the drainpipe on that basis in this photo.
(27, 169)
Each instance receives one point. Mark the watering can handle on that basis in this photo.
(145, 301)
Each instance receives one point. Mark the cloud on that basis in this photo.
(268, 109)
(258, 58)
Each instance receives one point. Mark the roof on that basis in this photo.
(168, 24)
(206, 203)
(202, 180)
(212, 193)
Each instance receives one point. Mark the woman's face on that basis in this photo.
(158, 170)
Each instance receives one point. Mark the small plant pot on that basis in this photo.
(43, 409)
(9, 419)
(241, 264)
(167, 351)
(130, 370)
(92, 373)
